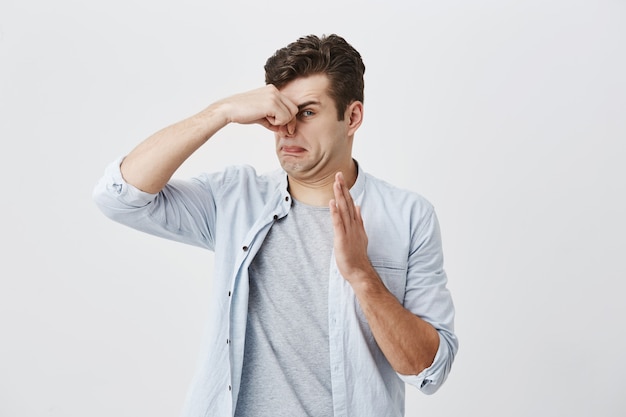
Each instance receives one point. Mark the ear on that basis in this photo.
(354, 116)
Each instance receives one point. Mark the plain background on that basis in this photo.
(509, 116)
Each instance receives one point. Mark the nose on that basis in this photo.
(284, 129)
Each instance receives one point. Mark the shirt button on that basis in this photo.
(229, 293)
(287, 198)
(275, 217)
(227, 341)
(245, 248)
(230, 388)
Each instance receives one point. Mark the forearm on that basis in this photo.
(408, 342)
(153, 162)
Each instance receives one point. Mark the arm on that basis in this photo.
(151, 164)
(408, 342)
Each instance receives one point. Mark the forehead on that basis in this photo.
(311, 88)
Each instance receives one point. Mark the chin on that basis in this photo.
(292, 167)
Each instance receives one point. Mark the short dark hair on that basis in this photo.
(330, 55)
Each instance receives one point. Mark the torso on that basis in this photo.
(286, 367)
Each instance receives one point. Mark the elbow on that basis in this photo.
(429, 379)
(106, 198)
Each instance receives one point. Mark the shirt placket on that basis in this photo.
(336, 340)
(238, 315)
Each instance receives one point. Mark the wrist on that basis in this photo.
(216, 114)
(365, 280)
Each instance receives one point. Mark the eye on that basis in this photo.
(306, 113)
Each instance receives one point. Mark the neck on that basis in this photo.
(319, 192)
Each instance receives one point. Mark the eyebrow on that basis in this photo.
(308, 103)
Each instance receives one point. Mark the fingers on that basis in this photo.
(338, 226)
(282, 111)
(291, 126)
(266, 106)
(345, 215)
(350, 238)
(343, 199)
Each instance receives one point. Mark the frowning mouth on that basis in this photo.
(292, 150)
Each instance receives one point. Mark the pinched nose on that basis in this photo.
(288, 130)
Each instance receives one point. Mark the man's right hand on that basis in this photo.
(266, 106)
(152, 163)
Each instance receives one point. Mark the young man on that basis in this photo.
(329, 288)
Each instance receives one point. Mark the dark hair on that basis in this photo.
(330, 55)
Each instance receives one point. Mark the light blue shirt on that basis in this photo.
(230, 213)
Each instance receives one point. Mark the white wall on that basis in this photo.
(508, 115)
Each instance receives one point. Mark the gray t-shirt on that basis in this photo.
(286, 368)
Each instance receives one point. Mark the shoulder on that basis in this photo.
(398, 220)
(241, 179)
(393, 197)
(239, 174)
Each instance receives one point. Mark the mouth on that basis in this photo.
(292, 150)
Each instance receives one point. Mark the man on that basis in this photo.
(329, 288)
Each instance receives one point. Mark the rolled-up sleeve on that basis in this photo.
(113, 195)
(428, 297)
(183, 211)
(431, 378)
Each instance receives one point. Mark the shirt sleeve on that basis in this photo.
(427, 297)
(183, 211)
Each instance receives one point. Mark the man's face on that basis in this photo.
(321, 145)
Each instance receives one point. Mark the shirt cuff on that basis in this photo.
(430, 379)
(124, 192)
